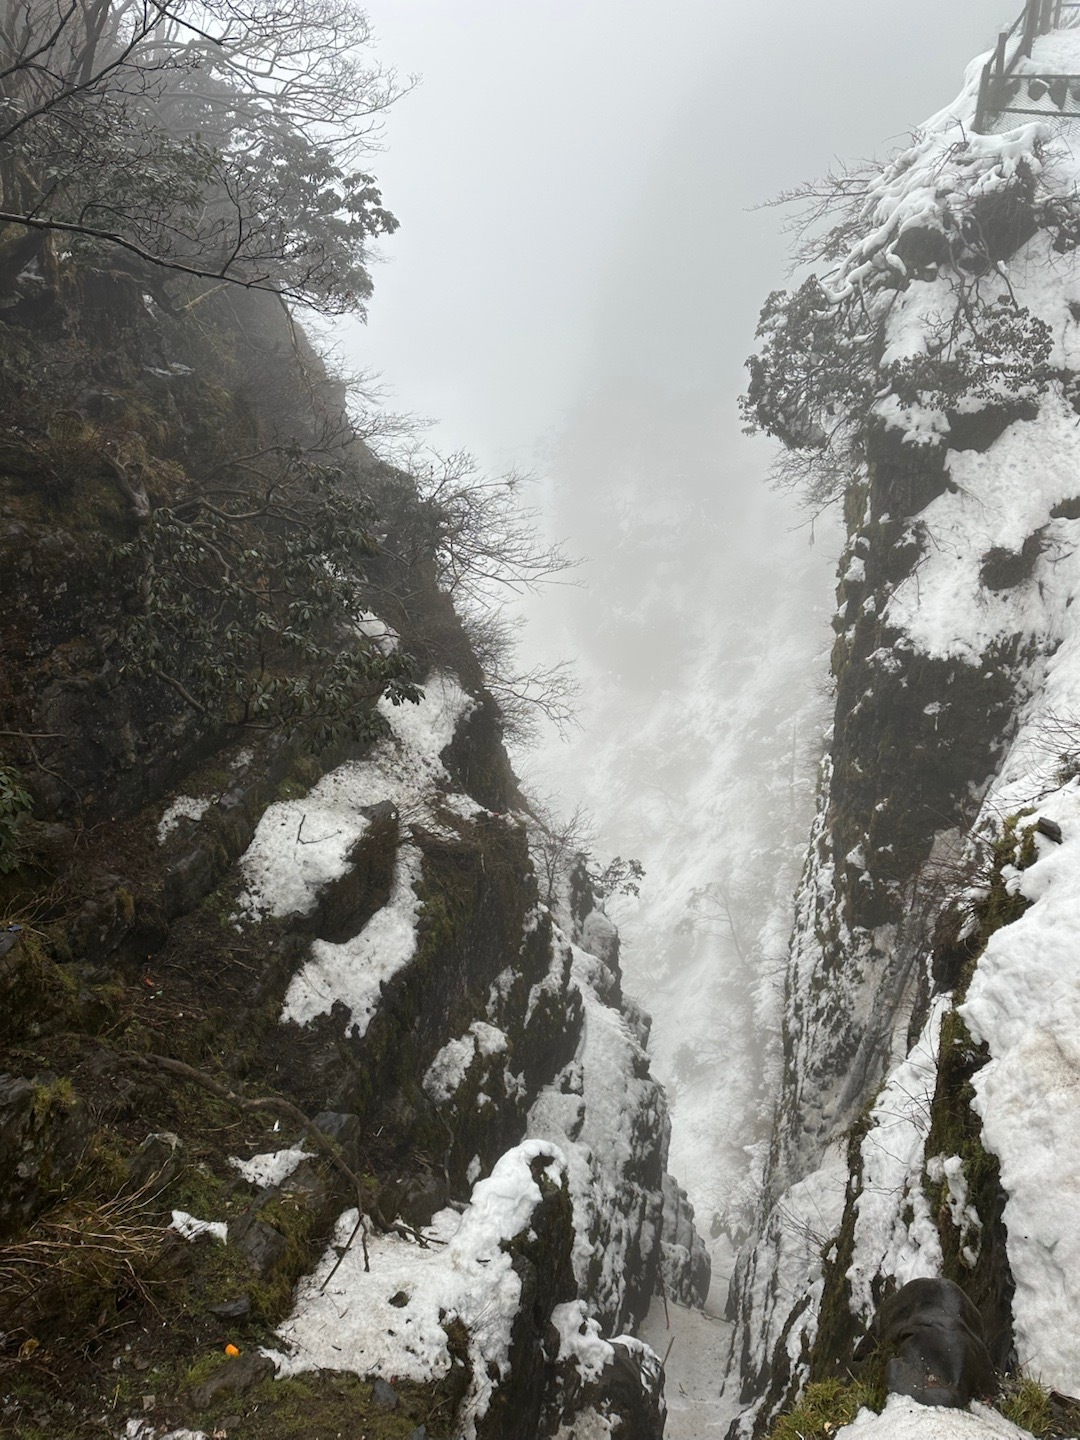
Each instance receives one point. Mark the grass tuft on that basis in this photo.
(825, 1407)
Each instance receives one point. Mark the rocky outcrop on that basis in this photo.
(286, 1023)
(686, 1264)
(899, 1155)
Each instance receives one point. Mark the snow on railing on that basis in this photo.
(1000, 85)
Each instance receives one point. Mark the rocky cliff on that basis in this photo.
(928, 381)
(314, 1119)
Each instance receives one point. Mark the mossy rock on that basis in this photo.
(838, 1330)
(955, 1129)
(326, 1403)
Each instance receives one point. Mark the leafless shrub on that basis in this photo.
(76, 1259)
(555, 843)
(526, 697)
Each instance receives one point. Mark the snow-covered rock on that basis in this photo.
(932, 999)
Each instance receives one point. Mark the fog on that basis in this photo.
(573, 180)
(574, 289)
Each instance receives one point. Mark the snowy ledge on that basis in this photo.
(391, 1321)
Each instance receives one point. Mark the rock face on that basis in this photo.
(287, 1026)
(903, 1148)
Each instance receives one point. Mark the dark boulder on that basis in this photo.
(262, 1244)
(931, 1337)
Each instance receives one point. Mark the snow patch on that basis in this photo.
(905, 1419)
(184, 807)
(355, 971)
(271, 1168)
(580, 1339)
(892, 1165)
(352, 1324)
(191, 1229)
(447, 1071)
(302, 845)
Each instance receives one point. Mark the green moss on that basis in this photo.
(331, 1404)
(1027, 1404)
(955, 1129)
(198, 1191)
(964, 929)
(106, 1162)
(52, 1098)
(37, 994)
(1013, 850)
(825, 1407)
(301, 1228)
(201, 1370)
(837, 1329)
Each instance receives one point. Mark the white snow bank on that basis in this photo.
(390, 1321)
(892, 1164)
(904, 1419)
(1024, 1001)
(271, 1168)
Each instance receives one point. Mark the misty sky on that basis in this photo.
(573, 180)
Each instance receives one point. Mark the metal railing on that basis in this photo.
(999, 86)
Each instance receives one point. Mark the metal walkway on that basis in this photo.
(1004, 89)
